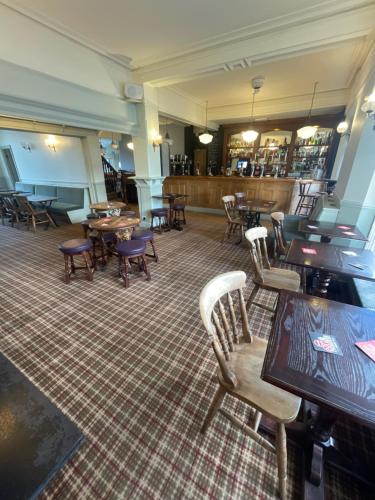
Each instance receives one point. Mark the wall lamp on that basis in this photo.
(157, 141)
(343, 128)
(51, 142)
(26, 146)
(369, 106)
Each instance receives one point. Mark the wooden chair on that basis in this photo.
(267, 277)
(40, 216)
(306, 201)
(233, 221)
(240, 357)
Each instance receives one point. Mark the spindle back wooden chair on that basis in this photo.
(234, 222)
(11, 211)
(240, 356)
(265, 276)
(281, 244)
(33, 216)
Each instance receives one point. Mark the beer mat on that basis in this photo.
(357, 265)
(343, 227)
(325, 343)
(368, 347)
(350, 253)
(310, 251)
(348, 233)
(312, 227)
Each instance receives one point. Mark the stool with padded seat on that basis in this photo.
(179, 214)
(74, 248)
(127, 251)
(148, 237)
(97, 215)
(161, 214)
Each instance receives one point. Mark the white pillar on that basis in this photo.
(148, 178)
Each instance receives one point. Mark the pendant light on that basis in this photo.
(308, 130)
(251, 135)
(167, 137)
(206, 137)
(114, 144)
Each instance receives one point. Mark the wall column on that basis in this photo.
(148, 178)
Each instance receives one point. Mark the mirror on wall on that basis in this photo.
(275, 138)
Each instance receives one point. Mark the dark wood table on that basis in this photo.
(339, 385)
(36, 438)
(327, 260)
(329, 230)
(252, 209)
(171, 198)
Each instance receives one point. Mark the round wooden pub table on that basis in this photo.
(121, 226)
(112, 207)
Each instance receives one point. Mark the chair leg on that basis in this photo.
(154, 250)
(125, 271)
(281, 453)
(215, 406)
(145, 268)
(67, 269)
(34, 223)
(72, 266)
(87, 260)
(50, 220)
(252, 297)
(256, 421)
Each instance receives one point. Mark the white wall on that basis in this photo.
(65, 167)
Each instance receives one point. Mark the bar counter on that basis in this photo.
(207, 192)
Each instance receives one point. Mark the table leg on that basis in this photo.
(250, 220)
(324, 280)
(124, 234)
(325, 239)
(257, 219)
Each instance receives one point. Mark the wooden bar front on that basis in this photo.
(207, 192)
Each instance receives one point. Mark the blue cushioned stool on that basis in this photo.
(179, 214)
(162, 215)
(148, 237)
(77, 247)
(127, 251)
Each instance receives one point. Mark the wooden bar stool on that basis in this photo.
(178, 214)
(74, 248)
(127, 251)
(148, 237)
(162, 215)
(306, 201)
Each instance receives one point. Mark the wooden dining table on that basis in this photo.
(111, 207)
(329, 230)
(171, 198)
(252, 209)
(336, 385)
(328, 260)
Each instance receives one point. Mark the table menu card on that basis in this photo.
(368, 347)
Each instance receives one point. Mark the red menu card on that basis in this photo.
(310, 251)
(368, 347)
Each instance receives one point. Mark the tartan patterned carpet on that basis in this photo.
(134, 370)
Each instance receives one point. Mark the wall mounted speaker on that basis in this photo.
(133, 92)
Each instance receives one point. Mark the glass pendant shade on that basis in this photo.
(342, 127)
(168, 139)
(206, 137)
(306, 132)
(249, 135)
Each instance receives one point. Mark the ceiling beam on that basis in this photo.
(253, 47)
(299, 104)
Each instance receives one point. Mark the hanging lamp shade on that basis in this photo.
(130, 146)
(342, 127)
(308, 130)
(250, 135)
(206, 137)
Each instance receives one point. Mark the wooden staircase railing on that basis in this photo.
(110, 178)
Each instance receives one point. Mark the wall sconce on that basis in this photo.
(343, 128)
(27, 146)
(369, 106)
(157, 141)
(130, 146)
(51, 142)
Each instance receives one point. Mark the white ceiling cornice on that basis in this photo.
(286, 105)
(53, 25)
(272, 40)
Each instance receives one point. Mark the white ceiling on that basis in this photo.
(146, 29)
(332, 68)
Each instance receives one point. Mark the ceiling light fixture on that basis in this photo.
(167, 137)
(114, 144)
(251, 134)
(308, 130)
(206, 137)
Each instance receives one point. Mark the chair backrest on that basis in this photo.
(229, 205)
(240, 197)
(24, 204)
(256, 237)
(277, 223)
(9, 204)
(220, 320)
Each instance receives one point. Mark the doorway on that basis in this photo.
(10, 172)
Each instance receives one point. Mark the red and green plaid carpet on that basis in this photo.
(134, 370)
